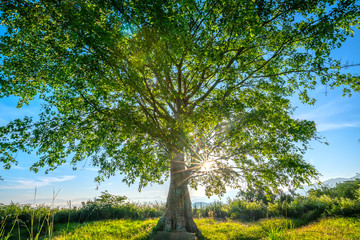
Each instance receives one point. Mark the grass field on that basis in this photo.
(331, 228)
(324, 213)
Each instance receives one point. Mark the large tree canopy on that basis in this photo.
(140, 87)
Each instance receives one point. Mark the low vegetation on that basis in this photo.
(343, 200)
(276, 228)
(325, 213)
(107, 229)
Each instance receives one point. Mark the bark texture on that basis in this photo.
(178, 214)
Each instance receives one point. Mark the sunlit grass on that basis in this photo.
(332, 228)
(228, 230)
(212, 229)
(107, 230)
(278, 228)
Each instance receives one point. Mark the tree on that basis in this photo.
(256, 195)
(197, 90)
(108, 199)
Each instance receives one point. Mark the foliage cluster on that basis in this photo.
(130, 84)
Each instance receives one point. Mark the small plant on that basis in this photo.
(277, 234)
(3, 227)
(32, 221)
(276, 228)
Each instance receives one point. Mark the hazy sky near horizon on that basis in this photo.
(337, 119)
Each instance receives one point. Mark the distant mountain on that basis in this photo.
(333, 181)
(329, 183)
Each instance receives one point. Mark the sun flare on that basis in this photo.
(207, 166)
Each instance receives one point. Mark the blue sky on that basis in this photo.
(337, 119)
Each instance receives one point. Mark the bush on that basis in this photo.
(93, 211)
(212, 210)
(348, 189)
(344, 207)
(247, 210)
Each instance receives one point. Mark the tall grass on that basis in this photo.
(35, 221)
(3, 228)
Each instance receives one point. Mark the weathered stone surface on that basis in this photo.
(174, 236)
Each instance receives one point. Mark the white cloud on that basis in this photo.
(92, 169)
(31, 184)
(338, 113)
(17, 167)
(321, 127)
(333, 108)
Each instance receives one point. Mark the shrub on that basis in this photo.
(344, 207)
(348, 189)
(273, 209)
(247, 210)
(212, 210)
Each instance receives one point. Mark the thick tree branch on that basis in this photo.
(207, 93)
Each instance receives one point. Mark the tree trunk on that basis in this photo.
(178, 213)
